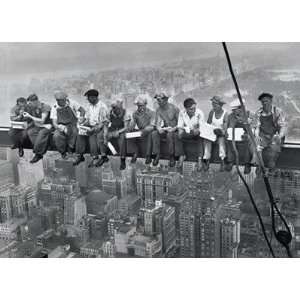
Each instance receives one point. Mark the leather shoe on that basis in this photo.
(148, 160)
(36, 158)
(21, 152)
(78, 160)
(123, 164)
(101, 161)
(156, 161)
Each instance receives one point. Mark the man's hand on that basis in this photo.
(171, 129)
(218, 132)
(161, 130)
(61, 127)
(90, 131)
(196, 132)
(27, 115)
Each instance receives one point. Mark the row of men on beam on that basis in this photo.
(168, 122)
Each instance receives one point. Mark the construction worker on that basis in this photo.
(270, 129)
(218, 118)
(96, 119)
(18, 136)
(64, 115)
(189, 123)
(166, 120)
(119, 122)
(144, 120)
(236, 119)
(39, 126)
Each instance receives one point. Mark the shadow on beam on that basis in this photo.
(289, 157)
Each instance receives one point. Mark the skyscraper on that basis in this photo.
(230, 237)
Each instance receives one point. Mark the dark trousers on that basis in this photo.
(63, 141)
(180, 140)
(18, 136)
(82, 141)
(39, 137)
(111, 137)
(170, 139)
(244, 149)
(139, 142)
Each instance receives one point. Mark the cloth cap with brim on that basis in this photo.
(140, 100)
(91, 93)
(161, 96)
(60, 96)
(217, 100)
(265, 95)
(116, 102)
(32, 97)
(235, 104)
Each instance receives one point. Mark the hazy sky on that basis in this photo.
(43, 57)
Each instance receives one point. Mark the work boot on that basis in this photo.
(148, 160)
(36, 158)
(101, 161)
(134, 158)
(222, 166)
(64, 155)
(205, 165)
(93, 162)
(228, 166)
(172, 162)
(21, 152)
(78, 160)
(156, 161)
(180, 161)
(123, 164)
(13, 147)
(247, 169)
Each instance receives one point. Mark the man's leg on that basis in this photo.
(80, 148)
(103, 149)
(41, 144)
(230, 156)
(148, 139)
(93, 149)
(18, 137)
(71, 137)
(222, 151)
(32, 134)
(60, 140)
(171, 136)
(122, 150)
(156, 146)
(135, 144)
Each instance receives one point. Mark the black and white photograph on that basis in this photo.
(152, 150)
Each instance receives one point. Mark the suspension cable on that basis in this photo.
(284, 237)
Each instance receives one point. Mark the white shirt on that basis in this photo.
(97, 114)
(218, 122)
(184, 121)
(73, 105)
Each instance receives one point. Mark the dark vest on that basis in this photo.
(65, 115)
(117, 122)
(267, 126)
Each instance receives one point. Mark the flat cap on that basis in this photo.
(92, 92)
(235, 104)
(218, 100)
(32, 97)
(161, 96)
(60, 95)
(265, 95)
(188, 102)
(116, 101)
(140, 100)
(21, 99)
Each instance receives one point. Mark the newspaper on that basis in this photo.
(18, 125)
(132, 135)
(111, 148)
(207, 132)
(238, 133)
(82, 130)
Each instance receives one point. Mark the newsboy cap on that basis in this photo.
(235, 104)
(161, 96)
(92, 92)
(60, 95)
(32, 97)
(265, 95)
(140, 100)
(218, 100)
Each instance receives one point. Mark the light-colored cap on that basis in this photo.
(60, 95)
(235, 104)
(140, 100)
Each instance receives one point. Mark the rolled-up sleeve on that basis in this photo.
(282, 123)
(53, 113)
(180, 123)
(103, 115)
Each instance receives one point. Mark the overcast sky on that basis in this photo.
(43, 57)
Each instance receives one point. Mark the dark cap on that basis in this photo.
(161, 96)
(21, 99)
(92, 92)
(188, 102)
(265, 95)
(32, 97)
